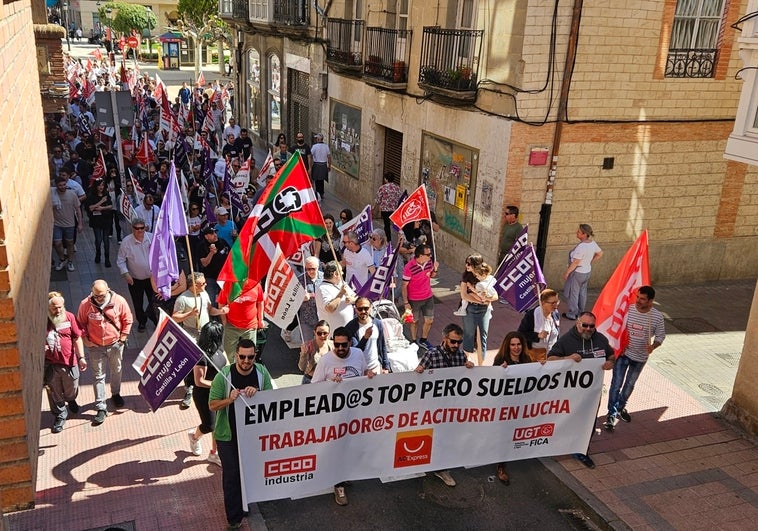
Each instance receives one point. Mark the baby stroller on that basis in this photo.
(403, 354)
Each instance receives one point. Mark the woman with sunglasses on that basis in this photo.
(311, 351)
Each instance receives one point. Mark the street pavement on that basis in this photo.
(677, 465)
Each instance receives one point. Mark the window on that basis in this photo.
(259, 10)
(254, 84)
(693, 47)
(274, 96)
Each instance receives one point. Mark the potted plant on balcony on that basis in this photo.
(374, 65)
(398, 72)
(431, 76)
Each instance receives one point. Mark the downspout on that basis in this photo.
(568, 72)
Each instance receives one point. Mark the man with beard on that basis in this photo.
(447, 354)
(64, 358)
(583, 341)
(336, 365)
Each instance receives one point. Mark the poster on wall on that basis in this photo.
(344, 137)
(449, 170)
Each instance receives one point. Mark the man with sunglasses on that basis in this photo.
(447, 354)
(246, 378)
(133, 263)
(367, 334)
(105, 320)
(336, 365)
(583, 341)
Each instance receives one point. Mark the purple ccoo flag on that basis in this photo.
(520, 280)
(378, 284)
(171, 222)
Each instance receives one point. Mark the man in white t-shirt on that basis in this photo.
(367, 334)
(342, 362)
(334, 298)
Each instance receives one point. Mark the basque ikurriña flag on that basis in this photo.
(168, 356)
(612, 307)
(287, 213)
(521, 280)
(171, 222)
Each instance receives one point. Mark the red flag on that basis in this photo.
(612, 306)
(284, 293)
(145, 154)
(415, 208)
(287, 213)
(98, 172)
(200, 80)
(98, 54)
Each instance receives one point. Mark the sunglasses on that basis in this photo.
(427, 254)
(322, 334)
(341, 345)
(585, 325)
(243, 357)
(363, 309)
(454, 341)
(99, 297)
(139, 228)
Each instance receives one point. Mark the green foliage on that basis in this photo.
(197, 12)
(127, 17)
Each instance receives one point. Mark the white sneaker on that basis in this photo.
(446, 478)
(460, 312)
(215, 459)
(195, 445)
(71, 266)
(61, 265)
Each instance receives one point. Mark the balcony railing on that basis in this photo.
(292, 12)
(691, 63)
(235, 9)
(387, 54)
(450, 60)
(345, 48)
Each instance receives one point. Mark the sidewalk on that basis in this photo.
(677, 465)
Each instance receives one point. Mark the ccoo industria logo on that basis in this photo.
(289, 470)
(413, 448)
(533, 435)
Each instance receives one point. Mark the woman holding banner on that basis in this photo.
(512, 352)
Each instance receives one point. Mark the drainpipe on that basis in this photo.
(568, 72)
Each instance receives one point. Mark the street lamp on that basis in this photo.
(64, 6)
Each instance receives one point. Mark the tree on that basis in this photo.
(200, 20)
(124, 18)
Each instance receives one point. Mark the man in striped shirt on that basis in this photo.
(646, 331)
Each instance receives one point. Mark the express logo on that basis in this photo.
(534, 432)
(291, 465)
(413, 448)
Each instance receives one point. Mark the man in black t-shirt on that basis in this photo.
(213, 252)
(304, 150)
(244, 145)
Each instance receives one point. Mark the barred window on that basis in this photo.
(693, 48)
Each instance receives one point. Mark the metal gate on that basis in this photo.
(298, 117)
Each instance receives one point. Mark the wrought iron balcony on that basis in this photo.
(292, 12)
(450, 61)
(691, 63)
(233, 9)
(345, 48)
(387, 54)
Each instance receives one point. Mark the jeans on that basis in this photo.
(62, 384)
(98, 356)
(477, 318)
(625, 374)
(575, 291)
(101, 238)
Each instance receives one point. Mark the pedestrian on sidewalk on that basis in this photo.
(577, 275)
(66, 221)
(134, 264)
(646, 330)
(105, 320)
(99, 208)
(583, 341)
(64, 358)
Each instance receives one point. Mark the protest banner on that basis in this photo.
(362, 225)
(302, 440)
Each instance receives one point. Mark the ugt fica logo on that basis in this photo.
(533, 435)
(413, 448)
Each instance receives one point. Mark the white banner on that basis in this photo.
(302, 440)
(284, 292)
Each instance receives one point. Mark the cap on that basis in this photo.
(209, 230)
(221, 211)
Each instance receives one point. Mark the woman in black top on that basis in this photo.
(99, 208)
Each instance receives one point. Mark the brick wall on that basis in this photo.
(25, 237)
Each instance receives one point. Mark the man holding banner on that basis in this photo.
(243, 379)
